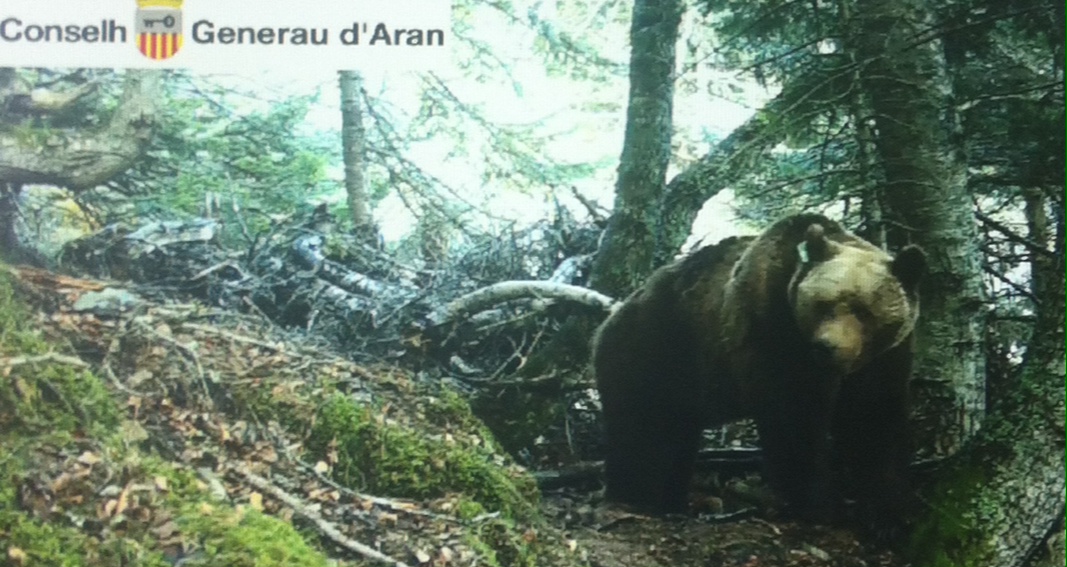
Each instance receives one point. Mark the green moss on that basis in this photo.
(62, 546)
(467, 509)
(500, 545)
(948, 535)
(55, 405)
(384, 457)
(518, 416)
(52, 542)
(450, 411)
(45, 395)
(247, 539)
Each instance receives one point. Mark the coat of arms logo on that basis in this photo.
(159, 28)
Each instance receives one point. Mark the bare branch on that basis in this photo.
(489, 296)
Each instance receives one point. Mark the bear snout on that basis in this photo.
(831, 357)
(822, 352)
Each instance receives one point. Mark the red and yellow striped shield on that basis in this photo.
(159, 45)
(159, 28)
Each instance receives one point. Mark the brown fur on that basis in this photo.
(745, 328)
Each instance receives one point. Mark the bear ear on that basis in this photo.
(909, 266)
(815, 247)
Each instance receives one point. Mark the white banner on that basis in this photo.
(226, 35)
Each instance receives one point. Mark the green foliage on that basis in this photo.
(378, 454)
(216, 145)
(999, 61)
(949, 536)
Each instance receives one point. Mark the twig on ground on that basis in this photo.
(48, 357)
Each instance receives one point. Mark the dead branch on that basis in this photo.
(494, 294)
(50, 357)
(394, 505)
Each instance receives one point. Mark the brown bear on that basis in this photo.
(806, 328)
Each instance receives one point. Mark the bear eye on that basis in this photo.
(823, 308)
(861, 311)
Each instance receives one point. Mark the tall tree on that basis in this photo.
(1004, 494)
(353, 142)
(904, 76)
(627, 253)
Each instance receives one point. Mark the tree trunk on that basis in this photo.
(927, 203)
(1004, 495)
(86, 158)
(353, 140)
(627, 254)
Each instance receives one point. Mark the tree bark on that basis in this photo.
(627, 253)
(87, 158)
(353, 141)
(1003, 499)
(927, 203)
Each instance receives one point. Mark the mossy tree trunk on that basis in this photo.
(627, 253)
(904, 76)
(87, 157)
(76, 159)
(1003, 498)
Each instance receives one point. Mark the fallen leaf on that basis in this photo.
(61, 482)
(166, 530)
(255, 500)
(133, 432)
(123, 501)
(139, 377)
(17, 555)
(25, 390)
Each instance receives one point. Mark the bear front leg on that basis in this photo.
(651, 451)
(872, 435)
(796, 448)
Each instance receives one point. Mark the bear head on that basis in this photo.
(852, 300)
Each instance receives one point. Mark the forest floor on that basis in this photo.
(162, 434)
(613, 538)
